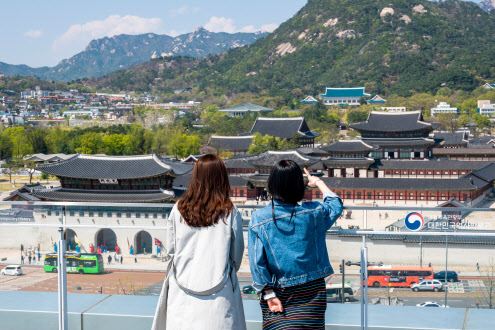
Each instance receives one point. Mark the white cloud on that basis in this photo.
(223, 24)
(33, 33)
(220, 24)
(79, 35)
(184, 10)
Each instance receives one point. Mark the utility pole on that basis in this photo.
(343, 281)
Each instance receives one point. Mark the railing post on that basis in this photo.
(364, 281)
(62, 279)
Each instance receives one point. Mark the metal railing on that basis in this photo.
(364, 233)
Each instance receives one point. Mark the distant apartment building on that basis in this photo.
(443, 107)
(343, 96)
(485, 108)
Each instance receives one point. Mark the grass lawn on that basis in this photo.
(20, 180)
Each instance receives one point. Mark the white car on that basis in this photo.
(428, 285)
(12, 270)
(430, 304)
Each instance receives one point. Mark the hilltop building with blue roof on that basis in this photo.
(309, 100)
(377, 99)
(341, 96)
(489, 86)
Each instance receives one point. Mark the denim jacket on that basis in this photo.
(284, 252)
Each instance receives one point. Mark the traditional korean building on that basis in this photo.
(309, 100)
(286, 128)
(113, 179)
(397, 135)
(348, 158)
(237, 145)
(342, 96)
(377, 99)
(481, 153)
(451, 140)
(244, 108)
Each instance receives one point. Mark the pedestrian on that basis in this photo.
(429, 265)
(109, 259)
(22, 248)
(477, 267)
(121, 259)
(135, 260)
(55, 247)
(208, 235)
(29, 258)
(39, 255)
(281, 232)
(91, 248)
(78, 249)
(115, 257)
(380, 216)
(22, 259)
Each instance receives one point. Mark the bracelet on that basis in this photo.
(270, 295)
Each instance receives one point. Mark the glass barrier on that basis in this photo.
(416, 256)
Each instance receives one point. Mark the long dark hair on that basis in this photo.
(286, 184)
(207, 198)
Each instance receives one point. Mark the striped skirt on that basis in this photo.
(304, 307)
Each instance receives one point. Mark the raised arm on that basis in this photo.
(332, 204)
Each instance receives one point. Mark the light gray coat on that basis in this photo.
(201, 290)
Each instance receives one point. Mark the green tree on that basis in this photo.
(12, 167)
(114, 144)
(30, 168)
(91, 143)
(18, 137)
(356, 116)
(448, 121)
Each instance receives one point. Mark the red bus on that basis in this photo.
(397, 276)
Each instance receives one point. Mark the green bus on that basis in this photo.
(82, 263)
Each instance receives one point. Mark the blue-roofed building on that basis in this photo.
(377, 99)
(489, 86)
(309, 100)
(341, 96)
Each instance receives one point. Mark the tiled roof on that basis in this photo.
(348, 146)
(486, 173)
(345, 92)
(448, 139)
(270, 158)
(309, 100)
(377, 99)
(231, 142)
(399, 184)
(400, 142)
(114, 167)
(239, 163)
(284, 128)
(114, 196)
(383, 164)
(394, 122)
(462, 151)
(245, 107)
(454, 202)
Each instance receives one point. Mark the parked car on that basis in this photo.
(430, 304)
(248, 289)
(334, 290)
(451, 276)
(428, 285)
(12, 270)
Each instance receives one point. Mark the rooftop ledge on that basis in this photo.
(38, 310)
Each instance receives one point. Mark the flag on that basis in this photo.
(158, 242)
(128, 244)
(77, 240)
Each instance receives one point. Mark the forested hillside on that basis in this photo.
(391, 47)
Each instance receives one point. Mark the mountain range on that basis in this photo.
(110, 54)
(487, 5)
(388, 46)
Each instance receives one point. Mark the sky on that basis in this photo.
(42, 33)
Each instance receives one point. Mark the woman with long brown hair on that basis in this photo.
(205, 243)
